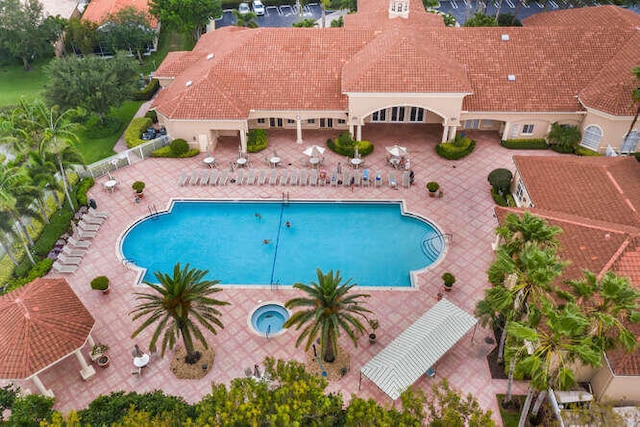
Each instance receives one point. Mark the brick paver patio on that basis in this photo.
(465, 211)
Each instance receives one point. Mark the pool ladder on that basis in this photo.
(153, 211)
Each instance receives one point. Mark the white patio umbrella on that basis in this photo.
(397, 151)
(314, 151)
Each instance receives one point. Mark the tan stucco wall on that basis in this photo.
(191, 130)
(618, 389)
(505, 122)
(614, 128)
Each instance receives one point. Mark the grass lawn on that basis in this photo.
(510, 417)
(169, 41)
(96, 148)
(15, 83)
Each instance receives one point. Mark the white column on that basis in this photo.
(445, 133)
(90, 341)
(452, 133)
(243, 140)
(87, 371)
(505, 132)
(359, 133)
(351, 130)
(41, 388)
(298, 130)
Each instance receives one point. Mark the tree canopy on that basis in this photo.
(187, 16)
(127, 29)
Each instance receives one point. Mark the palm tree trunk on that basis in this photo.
(539, 402)
(498, 9)
(525, 408)
(43, 211)
(23, 228)
(633, 123)
(512, 367)
(54, 193)
(503, 340)
(516, 11)
(65, 184)
(28, 251)
(7, 250)
(329, 352)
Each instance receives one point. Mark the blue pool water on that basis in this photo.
(248, 243)
(269, 319)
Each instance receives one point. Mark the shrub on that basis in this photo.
(345, 145)
(147, 92)
(257, 140)
(433, 186)
(508, 20)
(138, 186)
(498, 198)
(500, 180)
(168, 152)
(152, 115)
(563, 138)
(134, 131)
(448, 279)
(81, 193)
(100, 283)
(179, 147)
(31, 410)
(460, 147)
(41, 268)
(525, 144)
(582, 151)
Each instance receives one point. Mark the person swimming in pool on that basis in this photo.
(266, 241)
(287, 224)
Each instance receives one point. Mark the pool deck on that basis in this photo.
(465, 211)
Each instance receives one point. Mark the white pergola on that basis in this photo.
(418, 348)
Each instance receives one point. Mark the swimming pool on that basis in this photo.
(276, 243)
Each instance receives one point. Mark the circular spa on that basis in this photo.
(267, 319)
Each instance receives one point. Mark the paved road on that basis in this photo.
(285, 16)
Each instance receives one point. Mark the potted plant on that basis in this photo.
(448, 279)
(138, 186)
(99, 355)
(101, 283)
(433, 188)
(373, 323)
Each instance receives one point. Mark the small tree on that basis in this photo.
(480, 19)
(445, 407)
(187, 16)
(81, 36)
(500, 180)
(305, 23)
(127, 29)
(248, 19)
(564, 138)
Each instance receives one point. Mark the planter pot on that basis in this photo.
(432, 194)
(447, 288)
(106, 291)
(103, 361)
(372, 338)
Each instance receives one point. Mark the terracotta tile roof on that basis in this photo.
(595, 201)
(424, 67)
(98, 10)
(585, 17)
(40, 323)
(590, 187)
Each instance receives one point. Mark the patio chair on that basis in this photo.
(60, 268)
(263, 176)
(365, 178)
(88, 227)
(84, 235)
(183, 179)
(294, 177)
(322, 177)
(193, 180)
(89, 219)
(98, 214)
(313, 177)
(284, 179)
(358, 179)
(69, 260)
(273, 178)
(224, 177)
(346, 179)
(73, 252)
(213, 179)
(240, 176)
(378, 179)
(334, 179)
(392, 181)
(303, 177)
(251, 177)
(77, 243)
(204, 177)
(406, 179)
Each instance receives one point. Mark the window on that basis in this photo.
(630, 144)
(291, 121)
(527, 129)
(416, 115)
(521, 196)
(342, 121)
(397, 114)
(311, 121)
(472, 124)
(379, 116)
(591, 138)
(261, 121)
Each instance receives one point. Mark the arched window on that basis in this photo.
(630, 144)
(591, 138)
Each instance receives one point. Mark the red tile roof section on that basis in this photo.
(585, 17)
(98, 10)
(40, 323)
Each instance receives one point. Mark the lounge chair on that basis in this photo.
(78, 243)
(313, 177)
(224, 177)
(263, 177)
(213, 179)
(240, 176)
(392, 181)
(84, 235)
(89, 219)
(365, 178)
(294, 177)
(357, 178)
(73, 252)
(284, 180)
(334, 179)
(97, 214)
(273, 177)
(60, 268)
(378, 179)
(183, 179)
(251, 177)
(303, 177)
(346, 179)
(88, 227)
(193, 180)
(69, 260)
(204, 177)
(406, 179)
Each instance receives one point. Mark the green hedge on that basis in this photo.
(41, 268)
(147, 92)
(497, 197)
(83, 186)
(345, 145)
(135, 129)
(582, 151)
(525, 144)
(561, 149)
(460, 147)
(152, 115)
(178, 149)
(257, 140)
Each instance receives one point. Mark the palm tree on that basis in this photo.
(248, 19)
(609, 303)
(327, 309)
(42, 172)
(635, 96)
(516, 230)
(8, 235)
(179, 299)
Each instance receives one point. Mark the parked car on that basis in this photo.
(258, 8)
(243, 8)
